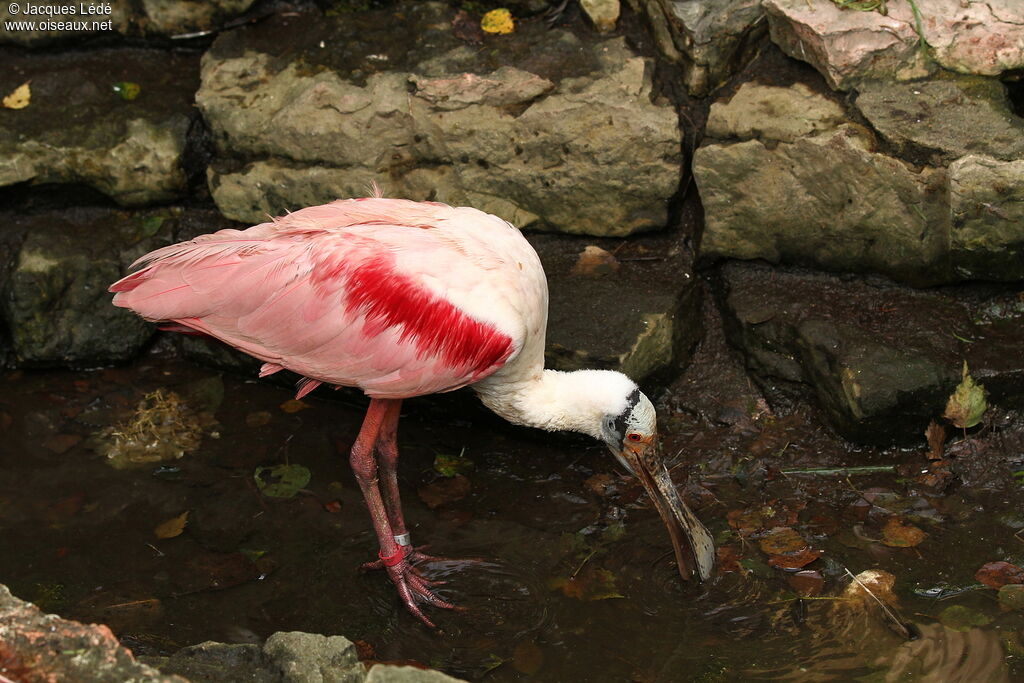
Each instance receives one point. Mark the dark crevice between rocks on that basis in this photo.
(1014, 82)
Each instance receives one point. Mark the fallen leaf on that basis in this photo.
(960, 618)
(1012, 596)
(806, 583)
(127, 90)
(967, 404)
(936, 436)
(293, 405)
(149, 225)
(333, 506)
(466, 30)
(497, 21)
(752, 565)
(727, 559)
(258, 419)
(19, 97)
(999, 574)
(589, 584)
(898, 534)
(450, 465)
(745, 521)
(527, 657)
(281, 481)
(794, 560)
(444, 491)
(594, 261)
(172, 527)
(781, 541)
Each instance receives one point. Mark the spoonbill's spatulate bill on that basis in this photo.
(401, 299)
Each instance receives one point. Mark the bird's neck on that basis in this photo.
(551, 399)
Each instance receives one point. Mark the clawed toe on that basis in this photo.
(413, 588)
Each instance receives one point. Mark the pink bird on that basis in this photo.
(402, 299)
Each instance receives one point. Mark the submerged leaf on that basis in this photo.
(588, 585)
(445, 491)
(172, 527)
(281, 481)
(960, 618)
(127, 90)
(898, 534)
(293, 405)
(527, 657)
(999, 574)
(967, 404)
(936, 436)
(781, 541)
(1012, 596)
(450, 465)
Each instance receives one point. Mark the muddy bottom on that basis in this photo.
(575, 577)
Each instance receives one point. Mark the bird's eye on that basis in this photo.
(634, 437)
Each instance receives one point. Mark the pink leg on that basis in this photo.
(382, 418)
(387, 461)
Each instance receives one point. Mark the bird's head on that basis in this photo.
(631, 434)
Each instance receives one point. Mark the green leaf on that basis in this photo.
(127, 90)
(1012, 596)
(967, 404)
(451, 465)
(149, 225)
(281, 481)
(960, 618)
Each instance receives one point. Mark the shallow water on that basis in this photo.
(78, 537)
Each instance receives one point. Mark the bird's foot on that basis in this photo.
(415, 556)
(412, 586)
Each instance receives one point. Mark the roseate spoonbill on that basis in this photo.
(401, 299)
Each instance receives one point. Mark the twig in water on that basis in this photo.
(898, 624)
(860, 469)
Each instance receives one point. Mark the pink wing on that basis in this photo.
(321, 293)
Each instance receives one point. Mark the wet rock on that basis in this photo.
(642, 319)
(602, 13)
(291, 657)
(773, 113)
(975, 37)
(388, 673)
(848, 46)
(825, 199)
(711, 40)
(147, 18)
(881, 361)
(551, 130)
(943, 118)
(130, 150)
(42, 647)
(987, 206)
(56, 304)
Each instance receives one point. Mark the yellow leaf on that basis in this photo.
(172, 527)
(497, 21)
(293, 405)
(967, 404)
(19, 97)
